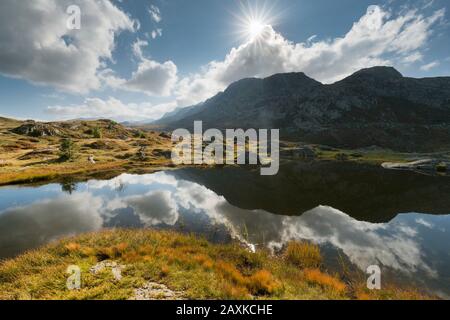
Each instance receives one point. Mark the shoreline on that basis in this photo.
(73, 173)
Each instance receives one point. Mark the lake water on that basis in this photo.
(365, 214)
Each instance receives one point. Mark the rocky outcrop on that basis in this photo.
(37, 129)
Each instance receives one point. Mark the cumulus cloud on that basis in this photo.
(111, 108)
(37, 45)
(378, 38)
(151, 77)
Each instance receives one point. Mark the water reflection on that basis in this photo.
(190, 200)
(29, 226)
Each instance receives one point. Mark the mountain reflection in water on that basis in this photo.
(351, 208)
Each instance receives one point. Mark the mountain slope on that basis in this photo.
(375, 106)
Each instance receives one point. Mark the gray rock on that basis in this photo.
(116, 269)
(156, 291)
(36, 129)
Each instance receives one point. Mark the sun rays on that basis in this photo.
(253, 18)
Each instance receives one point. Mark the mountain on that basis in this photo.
(373, 107)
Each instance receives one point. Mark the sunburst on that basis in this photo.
(254, 18)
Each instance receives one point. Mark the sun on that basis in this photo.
(254, 18)
(255, 28)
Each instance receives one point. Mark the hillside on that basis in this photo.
(30, 150)
(373, 107)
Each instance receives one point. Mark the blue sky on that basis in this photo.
(137, 59)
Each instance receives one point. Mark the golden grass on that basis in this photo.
(327, 281)
(389, 292)
(303, 254)
(184, 263)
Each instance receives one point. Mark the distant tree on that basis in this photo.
(139, 134)
(66, 149)
(112, 124)
(97, 133)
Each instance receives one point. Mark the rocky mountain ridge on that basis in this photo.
(372, 107)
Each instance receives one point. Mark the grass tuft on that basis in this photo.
(303, 254)
(329, 282)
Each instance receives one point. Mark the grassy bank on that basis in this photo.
(188, 266)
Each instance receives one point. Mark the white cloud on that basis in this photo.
(151, 77)
(155, 13)
(424, 223)
(429, 66)
(38, 47)
(156, 33)
(413, 57)
(378, 38)
(137, 48)
(112, 109)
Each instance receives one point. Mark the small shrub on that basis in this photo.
(139, 134)
(262, 283)
(97, 133)
(67, 149)
(326, 281)
(111, 125)
(230, 272)
(303, 254)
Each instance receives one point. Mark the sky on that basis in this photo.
(135, 60)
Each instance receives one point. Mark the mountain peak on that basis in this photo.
(379, 73)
